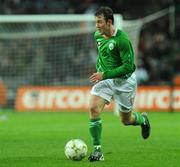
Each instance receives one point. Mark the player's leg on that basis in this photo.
(96, 106)
(101, 94)
(135, 118)
(95, 127)
(131, 118)
(124, 97)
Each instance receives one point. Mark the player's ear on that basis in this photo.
(109, 21)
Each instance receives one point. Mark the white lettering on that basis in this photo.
(151, 96)
(176, 99)
(61, 99)
(162, 99)
(76, 99)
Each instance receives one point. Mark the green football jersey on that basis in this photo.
(115, 55)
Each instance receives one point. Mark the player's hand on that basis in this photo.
(96, 77)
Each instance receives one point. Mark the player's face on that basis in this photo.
(102, 25)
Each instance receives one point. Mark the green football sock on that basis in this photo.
(95, 128)
(139, 119)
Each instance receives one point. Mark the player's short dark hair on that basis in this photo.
(107, 12)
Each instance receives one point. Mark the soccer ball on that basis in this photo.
(76, 149)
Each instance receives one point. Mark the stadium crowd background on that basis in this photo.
(158, 50)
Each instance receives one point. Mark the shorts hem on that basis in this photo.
(100, 95)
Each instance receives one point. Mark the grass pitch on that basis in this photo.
(38, 139)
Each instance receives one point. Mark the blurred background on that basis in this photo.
(40, 51)
(47, 53)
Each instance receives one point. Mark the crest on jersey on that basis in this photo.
(111, 46)
(99, 43)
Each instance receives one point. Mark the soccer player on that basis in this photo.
(114, 79)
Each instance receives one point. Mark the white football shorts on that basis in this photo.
(122, 91)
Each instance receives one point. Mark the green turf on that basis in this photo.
(38, 139)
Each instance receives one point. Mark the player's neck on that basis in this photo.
(110, 33)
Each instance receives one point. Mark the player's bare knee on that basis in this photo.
(94, 111)
(126, 118)
(126, 122)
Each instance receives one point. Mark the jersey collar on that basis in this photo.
(115, 32)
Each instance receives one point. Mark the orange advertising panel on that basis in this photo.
(77, 98)
(53, 98)
(161, 98)
(3, 94)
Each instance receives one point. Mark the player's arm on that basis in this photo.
(127, 57)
